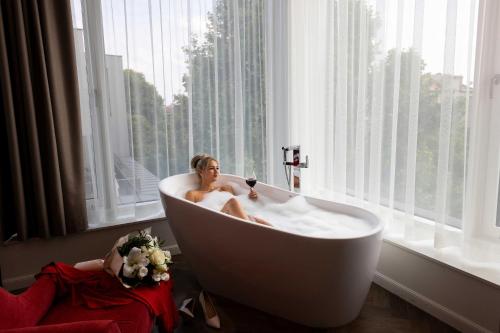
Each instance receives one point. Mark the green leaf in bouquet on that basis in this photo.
(136, 241)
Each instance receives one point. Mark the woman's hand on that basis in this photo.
(253, 194)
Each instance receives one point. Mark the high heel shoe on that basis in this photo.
(211, 316)
(187, 308)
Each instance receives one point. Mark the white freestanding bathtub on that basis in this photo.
(317, 282)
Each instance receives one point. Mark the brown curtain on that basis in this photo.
(41, 158)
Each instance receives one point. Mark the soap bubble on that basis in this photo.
(296, 215)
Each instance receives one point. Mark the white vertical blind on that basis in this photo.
(341, 88)
(411, 160)
(443, 172)
(393, 97)
(376, 112)
(361, 101)
(177, 78)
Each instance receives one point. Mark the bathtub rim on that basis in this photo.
(378, 228)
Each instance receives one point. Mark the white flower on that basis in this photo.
(168, 256)
(143, 271)
(136, 258)
(157, 257)
(128, 271)
(156, 277)
(134, 255)
(145, 260)
(161, 268)
(151, 240)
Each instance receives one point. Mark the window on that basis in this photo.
(382, 96)
(161, 81)
(393, 83)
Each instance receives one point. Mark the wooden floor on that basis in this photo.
(382, 312)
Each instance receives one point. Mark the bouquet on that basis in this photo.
(144, 262)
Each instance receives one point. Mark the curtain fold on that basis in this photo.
(42, 176)
(379, 102)
(173, 79)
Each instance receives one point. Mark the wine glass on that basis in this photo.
(251, 180)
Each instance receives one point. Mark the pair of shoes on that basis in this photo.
(211, 316)
(187, 308)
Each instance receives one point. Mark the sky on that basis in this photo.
(151, 36)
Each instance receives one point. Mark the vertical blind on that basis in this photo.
(377, 92)
(388, 85)
(181, 77)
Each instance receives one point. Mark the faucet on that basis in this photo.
(294, 186)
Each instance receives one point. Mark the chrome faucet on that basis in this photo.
(294, 185)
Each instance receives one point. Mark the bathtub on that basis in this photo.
(308, 280)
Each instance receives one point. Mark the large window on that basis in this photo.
(383, 96)
(393, 82)
(161, 81)
(396, 103)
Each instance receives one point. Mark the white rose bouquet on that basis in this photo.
(144, 262)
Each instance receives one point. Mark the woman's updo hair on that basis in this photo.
(200, 162)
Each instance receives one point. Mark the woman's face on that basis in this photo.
(211, 173)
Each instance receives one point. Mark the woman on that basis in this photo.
(207, 169)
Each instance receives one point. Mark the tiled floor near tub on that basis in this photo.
(382, 312)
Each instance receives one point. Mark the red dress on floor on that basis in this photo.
(87, 300)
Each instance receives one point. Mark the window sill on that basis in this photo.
(126, 214)
(452, 257)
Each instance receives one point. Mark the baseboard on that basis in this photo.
(18, 282)
(24, 281)
(426, 304)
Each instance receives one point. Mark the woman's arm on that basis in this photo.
(227, 188)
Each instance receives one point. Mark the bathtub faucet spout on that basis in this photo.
(292, 168)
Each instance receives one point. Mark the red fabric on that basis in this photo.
(98, 289)
(27, 308)
(94, 326)
(134, 317)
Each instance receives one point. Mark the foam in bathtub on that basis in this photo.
(216, 199)
(295, 216)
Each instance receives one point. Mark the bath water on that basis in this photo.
(295, 216)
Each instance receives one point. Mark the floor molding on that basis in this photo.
(174, 249)
(428, 305)
(24, 281)
(18, 282)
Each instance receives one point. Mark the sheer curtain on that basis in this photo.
(380, 96)
(161, 81)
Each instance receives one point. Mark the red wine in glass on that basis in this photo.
(251, 179)
(251, 182)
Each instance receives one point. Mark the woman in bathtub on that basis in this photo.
(207, 169)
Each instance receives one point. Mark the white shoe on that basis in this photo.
(185, 310)
(211, 316)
